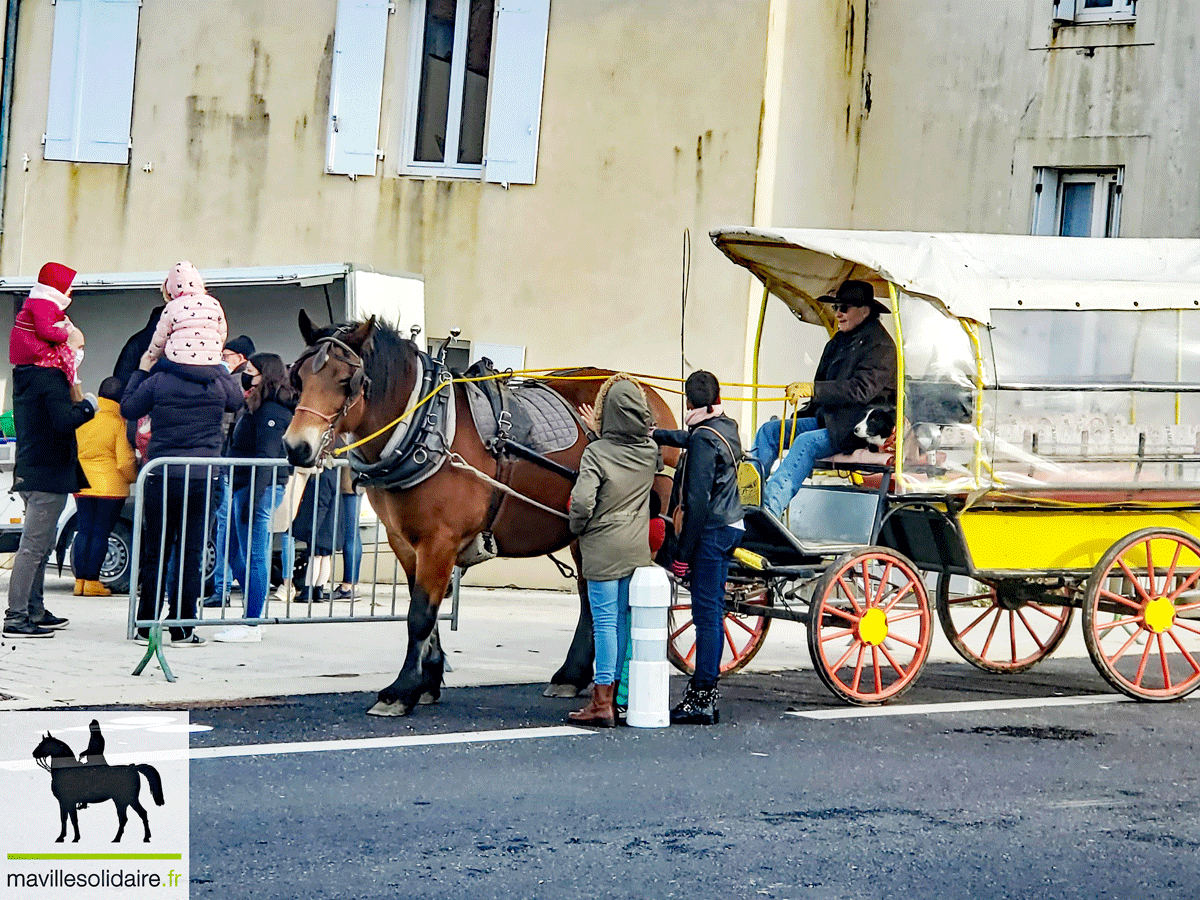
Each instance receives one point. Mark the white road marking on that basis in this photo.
(381, 743)
(921, 709)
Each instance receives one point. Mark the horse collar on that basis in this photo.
(418, 447)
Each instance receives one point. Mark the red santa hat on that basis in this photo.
(57, 276)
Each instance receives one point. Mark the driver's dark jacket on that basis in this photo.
(705, 479)
(857, 371)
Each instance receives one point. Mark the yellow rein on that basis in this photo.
(543, 373)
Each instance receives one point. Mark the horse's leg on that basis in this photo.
(141, 811)
(574, 675)
(424, 662)
(434, 666)
(63, 811)
(74, 824)
(122, 817)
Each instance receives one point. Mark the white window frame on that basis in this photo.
(416, 53)
(1106, 207)
(1072, 12)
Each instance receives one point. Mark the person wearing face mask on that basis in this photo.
(235, 356)
(257, 491)
(857, 371)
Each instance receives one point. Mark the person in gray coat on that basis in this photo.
(610, 511)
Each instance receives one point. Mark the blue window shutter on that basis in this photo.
(91, 80)
(518, 68)
(356, 87)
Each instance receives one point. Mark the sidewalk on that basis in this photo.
(505, 637)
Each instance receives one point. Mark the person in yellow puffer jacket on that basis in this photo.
(108, 462)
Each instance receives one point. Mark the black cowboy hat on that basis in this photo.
(859, 293)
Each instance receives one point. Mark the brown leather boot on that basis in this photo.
(599, 712)
(78, 587)
(95, 589)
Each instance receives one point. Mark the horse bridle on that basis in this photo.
(357, 388)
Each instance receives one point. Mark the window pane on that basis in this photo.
(475, 84)
(1077, 208)
(1097, 4)
(433, 105)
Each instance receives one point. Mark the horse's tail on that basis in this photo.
(155, 781)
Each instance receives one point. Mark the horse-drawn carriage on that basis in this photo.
(1047, 459)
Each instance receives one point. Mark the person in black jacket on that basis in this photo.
(138, 343)
(185, 405)
(857, 371)
(258, 434)
(706, 487)
(47, 470)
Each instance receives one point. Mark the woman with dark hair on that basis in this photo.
(257, 490)
(107, 460)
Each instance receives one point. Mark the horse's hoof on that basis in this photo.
(381, 708)
(562, 690)
(428, 698)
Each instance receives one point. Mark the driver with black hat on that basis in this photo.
(857, 371)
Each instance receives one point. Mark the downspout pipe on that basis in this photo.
(6, 92)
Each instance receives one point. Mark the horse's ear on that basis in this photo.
(306, 329)
(360, 337)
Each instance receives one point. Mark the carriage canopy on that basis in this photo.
(1031, 365)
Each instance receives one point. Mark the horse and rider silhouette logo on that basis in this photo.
(90, 779)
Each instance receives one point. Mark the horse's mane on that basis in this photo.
(386, 355)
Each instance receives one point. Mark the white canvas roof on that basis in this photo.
(971, 274)
(320, 273)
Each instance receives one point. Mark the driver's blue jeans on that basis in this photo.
(810, 444)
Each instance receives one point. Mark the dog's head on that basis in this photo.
(876, 427)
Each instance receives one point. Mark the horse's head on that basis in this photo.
(51, 748)
(331, 379)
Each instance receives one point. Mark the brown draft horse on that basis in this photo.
(361, 382)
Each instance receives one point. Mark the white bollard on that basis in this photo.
(649, 671)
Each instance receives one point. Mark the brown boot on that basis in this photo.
(78, 587)
(600, 711)
(95, 589)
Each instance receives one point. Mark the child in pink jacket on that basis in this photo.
(192, 329)
(43, 335)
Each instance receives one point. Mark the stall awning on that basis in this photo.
(303, 275)
(971, 274)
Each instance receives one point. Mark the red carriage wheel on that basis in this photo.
(871, 626)
(744, 633)
(1141, 614)
(1002, 632)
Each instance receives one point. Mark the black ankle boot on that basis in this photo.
(697, 707)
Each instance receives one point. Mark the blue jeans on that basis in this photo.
(229, 564)
(351, 541)
(710, 566)
(253, 531)
(94, 521)
(811, 443)
(610, 624)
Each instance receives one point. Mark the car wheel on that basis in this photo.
(115, 570)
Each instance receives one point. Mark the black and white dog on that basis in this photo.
(879, 425)
(876, 428)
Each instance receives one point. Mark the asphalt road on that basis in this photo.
(1041, 802)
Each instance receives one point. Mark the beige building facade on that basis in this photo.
(647, 118)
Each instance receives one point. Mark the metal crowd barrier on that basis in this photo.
(383, 601)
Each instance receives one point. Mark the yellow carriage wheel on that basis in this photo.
(999, 631)
(871, 626)
(1141, 614)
